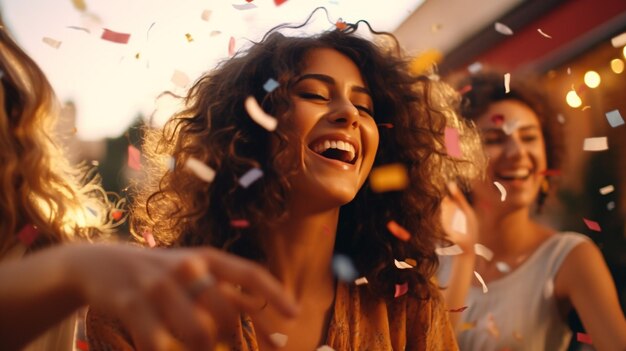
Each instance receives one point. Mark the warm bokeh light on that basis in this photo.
(592, 79)
(617, 65)
(572, 99)
(624, 51)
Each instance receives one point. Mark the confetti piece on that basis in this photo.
(560, 118)
(467, 326)
(507, 83)
(411, 261)
(607, 189)
(170, 162)
(180, 79)
(551, 172)
(482, 282)
(595, 144)
(401, 289)
(402, 264)
(231, 46)
(188, 37)
(548, 289)
(206, 14)
(610, 206)
(79, 5)
(250, 177)
(116, 37)
(569, 71)
(117, 214)
(278, 339)
(464, 90)
(449, 250)
(28, 234)
(398, 231)
(503, 267)
(361, 281)
(544, 34)
(592, 225)
(340, 24)
(270, 85)
(614, 118)
(149, 238)
(451, 136)
(502, 191)
(385, 125)
(279, 2)
(201, 170)
(92, 211)
(583, 338)
(388, 178)
(459, 222)
(344, 268)
(492, 328)
(503, 29)
(483, 251)
(52, 42)
(585, 108)
(325, 348)
(239, 223)
(497, 119)
(134, 158)
(243, 7)
(258, 115)
(619, 40)
(460, 309)
(425, 61)
(509, 127)
(475, 67)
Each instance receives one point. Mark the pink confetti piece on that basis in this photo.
(401, 289)
(607, 189)
(451, 138)
(134, 158)
(464, 90)
(398, 231)
(180, 79)
(278, 339)
(201, 170)
(543, 33)
(149, 238)
(502, 191)
(483, 251)
(592, 225)
(583, 338)
(51, 42)
(596, 144)
(206, 15)
(231, 46)
(279, 2)
(507, 83)
(361, 281)
(456, 310)
(28, 234)
(239, 223)
(482, 282)
(497, 119)
(116, 37)
(385, 125)
(259, 116)
(614, 118)
(402, 264)
(451, 250)
(250, 177)
(242, 7)
(503, 29)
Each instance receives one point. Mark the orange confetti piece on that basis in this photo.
(401, 289)
(279, 2)
(465, 89)
(134, 158)
(341, 25)
(117, 214)
(28, 234)
(388, 178)
(411, 261)
(593, 225)
(398, 231)
(460, 309)
(116, 37)
(239, 223)
(583, 338)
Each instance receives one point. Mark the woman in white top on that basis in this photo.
(536, 275)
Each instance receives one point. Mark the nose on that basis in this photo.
(344, 113)
(514, 147)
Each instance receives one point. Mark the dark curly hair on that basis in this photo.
(181, 210)
(487, 87)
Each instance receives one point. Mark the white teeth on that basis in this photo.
(322, 146)
(517, 173)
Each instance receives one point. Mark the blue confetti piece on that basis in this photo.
(250, 177)
(92, 211)
(344, 268)
(614, 118)
(270, 85)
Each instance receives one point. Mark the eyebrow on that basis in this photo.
(523, 128)
(330, 80)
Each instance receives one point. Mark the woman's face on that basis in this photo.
(332, 116)
(514, 144)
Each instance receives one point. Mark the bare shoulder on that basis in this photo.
(581, 266)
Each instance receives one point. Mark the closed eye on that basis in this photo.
(313, 96)
(364, 109)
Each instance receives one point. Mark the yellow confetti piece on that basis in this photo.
(259, 116)
(189, 37)
(425, 61)
(482, 282)
(201, 170)
(52, 42)
(79, 5)
(278, 339)
(137, 56)
(544, 34)
(388, 178)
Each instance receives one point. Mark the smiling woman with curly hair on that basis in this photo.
(344, 105)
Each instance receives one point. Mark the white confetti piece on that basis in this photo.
(344, 268)
(325, 348)
(569, 71)
(502, 191)
(615, 118)
(610, 206)
(402, 264)
(449, 250)
(201, 170)
(607, 189)
(361, 281)
(278, 339)
(180, 79)
(482, 282)
(619, 40)
(596, 144)
(503, 29)
(507, 83)
(548, 289)
(475, 67)
(270, 85)
(259, 116)
(52, 42)
(247, 6)
(459, 221)
(170, 162)
(560, 118)
(250, 177)
(510, 126)
(544, 34)
(483, 251)
(503, 267)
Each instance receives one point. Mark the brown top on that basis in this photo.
(359, 322)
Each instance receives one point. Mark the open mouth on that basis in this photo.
(516, 174)
(339, 150)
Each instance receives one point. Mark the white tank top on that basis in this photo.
(519, 312)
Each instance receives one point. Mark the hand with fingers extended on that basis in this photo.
(459, 220)
(184, 297)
